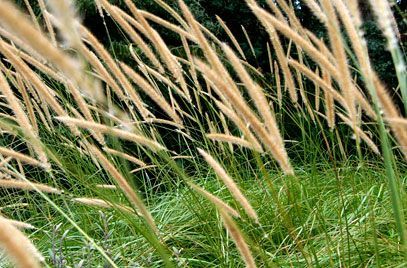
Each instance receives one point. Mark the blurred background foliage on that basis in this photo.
(236, 14)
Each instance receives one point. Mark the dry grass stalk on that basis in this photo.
(47, 114)
(251, 120)
(270, 58)
(231, 185)
(42, 117)
(320, 44)
(215, 200)
(172, 12)
(32, 14)
(307, 46)
(106, 58)
(9, 174)
(294, 21)
(161, 78)
(182, 157)
(125, 156)
(106, 186)
(353, 6)
(338, 49)
(316, 10)
(213, 91)
(20, 168)
(22, 157)
(76, 75)
(20, 26)
(359, 98)
(117, 72)
(324, 84)
(273, 6)
(152, 93)
(317, 92)
(329, 101)
(131, 33)
(301, 86)
(256, 94)
(9, 73)
(172, 27)
(20, 81)
(352, 25)
(398, 120)
(332, 92)
(3, 162)
(363, 103)
(230, 139)
(22, 46)
(18, 224)
(241, 106)
(231, 36)
(275, 40)
(386, 22)
(278, 84)
(226, 129)
(8, 117)
(133, 21)
(246, 35)
(28, 186)
(95, 202)
(48, 24)
(361, 134)
(154, 146)
(37, 64)
(22, 119)
(124, 186)
(18, 246)
(16, 205)
(355, 36)
(193, 72)
(238, 238)
(83, 107)
(142, 168)
(99, 9)
(143, 68)
(390, 111)
(211, 124)
(209, 52)
(247, 134)
(211, 37)
(25, 71)
(162, 121)
(165, 53)
(66, 21)
(255, 70)
(64, 17)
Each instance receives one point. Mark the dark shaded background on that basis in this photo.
(236, 14)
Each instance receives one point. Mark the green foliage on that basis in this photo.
(342, 214)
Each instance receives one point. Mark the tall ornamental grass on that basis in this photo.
(190, 150)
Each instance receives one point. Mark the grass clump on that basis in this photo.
(192, 156)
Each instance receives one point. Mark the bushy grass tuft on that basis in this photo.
(194, 156)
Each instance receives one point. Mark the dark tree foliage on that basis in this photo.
(236, 14)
